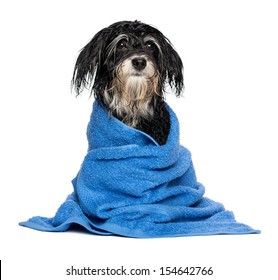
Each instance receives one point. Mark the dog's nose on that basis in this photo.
(139, 63)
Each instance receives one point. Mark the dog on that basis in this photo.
(127, 67)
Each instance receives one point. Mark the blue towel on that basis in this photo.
(130, 186)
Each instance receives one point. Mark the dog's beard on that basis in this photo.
(132, 93)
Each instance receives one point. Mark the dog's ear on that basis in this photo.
(173, 68)
(88, 63)
(175, 72)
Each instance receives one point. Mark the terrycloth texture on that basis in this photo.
(128, 185)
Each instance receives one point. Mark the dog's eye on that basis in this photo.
(123, 44)
(150, 46)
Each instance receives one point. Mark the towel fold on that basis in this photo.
(128, 185)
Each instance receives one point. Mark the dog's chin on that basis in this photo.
(137, 80)
(137, 88)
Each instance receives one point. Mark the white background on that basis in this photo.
(228, 119)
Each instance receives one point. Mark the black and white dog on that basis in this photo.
(127, 67)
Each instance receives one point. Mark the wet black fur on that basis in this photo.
(95, 65)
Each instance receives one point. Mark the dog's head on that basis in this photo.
(128, 56)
